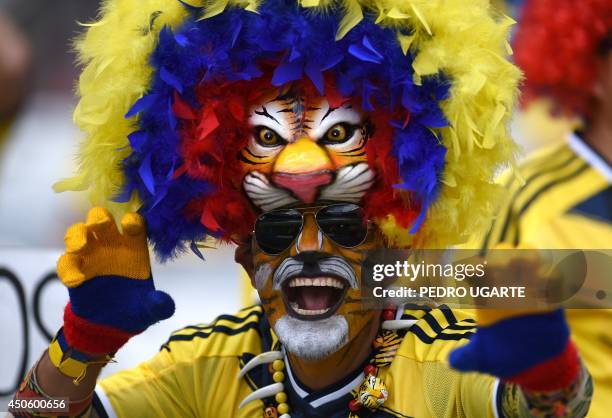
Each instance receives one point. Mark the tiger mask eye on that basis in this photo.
(339, 133)
(267, 137)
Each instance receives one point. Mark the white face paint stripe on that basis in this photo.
(262, 275)
(290, 131)
(297, 243)
(339, 115)
(281, 125)
(330, 265)
(351, 183)
(287, 267)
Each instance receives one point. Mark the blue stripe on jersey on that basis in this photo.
(598, 207)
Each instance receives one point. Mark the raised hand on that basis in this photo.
(529, 346)
(533, 350)
(108, 275)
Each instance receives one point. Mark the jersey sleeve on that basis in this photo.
(158, 387)
(193, 375)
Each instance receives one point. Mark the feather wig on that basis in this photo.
(166, 85)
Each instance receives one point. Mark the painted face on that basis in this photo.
(302, 151)
(313, 287)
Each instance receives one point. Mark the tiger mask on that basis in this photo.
(303, 150)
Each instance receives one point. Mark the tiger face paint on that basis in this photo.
(312, 291)
(303, 150)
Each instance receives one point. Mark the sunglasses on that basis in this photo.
(342, 223)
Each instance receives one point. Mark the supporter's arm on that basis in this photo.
(112, 298)
(535, 360)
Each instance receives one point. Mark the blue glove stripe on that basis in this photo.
(118, 302)
(513, 345)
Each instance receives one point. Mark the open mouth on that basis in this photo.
(313, 298)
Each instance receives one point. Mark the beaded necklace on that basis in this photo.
(371, 394)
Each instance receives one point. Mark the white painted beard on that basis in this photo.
(312, 340)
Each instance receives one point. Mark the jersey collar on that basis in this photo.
(323, 397)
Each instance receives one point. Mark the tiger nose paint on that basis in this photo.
(303, 186)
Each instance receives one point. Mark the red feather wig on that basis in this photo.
(557, 45)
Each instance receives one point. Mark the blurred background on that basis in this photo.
(37, 144)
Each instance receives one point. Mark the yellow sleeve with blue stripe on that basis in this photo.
(193, 375)
(545, 205)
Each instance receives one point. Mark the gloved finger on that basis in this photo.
(133, 226)
(466, 358)
(160, 305)
(102, 224)
(69, 270)
(77, 238)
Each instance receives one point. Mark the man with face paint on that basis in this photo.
(308, 247)
(307, 134)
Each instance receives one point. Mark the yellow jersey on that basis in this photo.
(564, 201)
(195, 374)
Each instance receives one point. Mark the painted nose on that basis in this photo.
(303, 167)
(310, 239)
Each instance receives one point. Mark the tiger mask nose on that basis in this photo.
(303, 167)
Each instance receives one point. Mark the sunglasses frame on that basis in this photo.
(304, 210)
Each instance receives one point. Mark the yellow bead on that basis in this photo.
(280, 397)
(278, 377)
(283, 408)
(278, 365)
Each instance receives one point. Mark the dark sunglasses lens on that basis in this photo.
(343, 224)
(275, 231)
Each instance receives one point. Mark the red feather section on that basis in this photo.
(182, 109)
(556, 45)
(210, 145)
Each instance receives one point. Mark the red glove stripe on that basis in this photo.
(90, 338)
(553, 374)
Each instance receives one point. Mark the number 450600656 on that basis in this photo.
(39, 405)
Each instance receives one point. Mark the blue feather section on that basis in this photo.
(367, 63)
